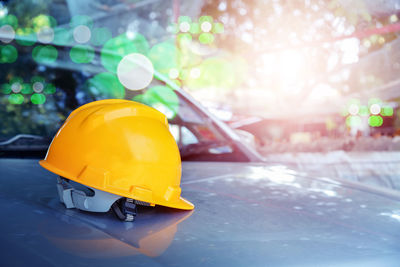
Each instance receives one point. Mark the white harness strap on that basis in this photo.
(73, 198)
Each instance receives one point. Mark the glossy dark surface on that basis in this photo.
(245, 215)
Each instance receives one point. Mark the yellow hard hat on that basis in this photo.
(121, 147)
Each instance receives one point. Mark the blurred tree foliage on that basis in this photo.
(268, 25)
(267, 32)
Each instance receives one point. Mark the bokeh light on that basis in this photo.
(218, 28)
(364, 111)
(43, 21)
(16, 99)
(184, 26)
(194, 28)
(387, 111)
(375, 109)
(353, 121)
(26, 89)
(8, 54)
(7, 33)
(162, 98)
(354, 109)
(375, 121)
(82, 34)
(45, 35)
(135, 71)
(25, 36)
(182, 19)
(206, 38)
(184, 38)
(38, 99)
(45, 54)
(173, 73)
(81, 20)
(9, 19)
(49, 89)
(206, 26)
(105, 85)
(38, 87)
(165, 57)
(100, 36)
(372, 101)
(116, 48)
(6, 88)
(195, 73)
(63, 36)
(16, 87)
(81, 54)
(203, 19)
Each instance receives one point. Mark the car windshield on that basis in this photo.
(58, 55)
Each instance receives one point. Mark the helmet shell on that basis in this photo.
(121, 147)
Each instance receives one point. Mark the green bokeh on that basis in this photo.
(16, 79)
(194, 28)
(44, 54)
(184, 19)
(218, 28)
(206, 38)
(352, 121)
(164, 57)
(37, 78)
(387, 111)
(82, 54)
(105, 85)
(38, 99)
(16, 99)
(364, 111)
(375, 121)
(6, 88)
(63, 36)
(9, 20)
(374, 101)
(41, 21)
(100, 36)
(26, 89)
(81, 20)
(205, 18)
(116, 48)
(8, 54)
(184, 38)
(25, 36)
(162, 98)
(49, 89)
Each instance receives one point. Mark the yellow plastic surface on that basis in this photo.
(122, 147)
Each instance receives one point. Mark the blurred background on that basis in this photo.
(312, 83)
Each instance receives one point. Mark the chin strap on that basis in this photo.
(73, 198)
(124, 208)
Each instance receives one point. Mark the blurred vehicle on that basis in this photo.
(247, 138)
(248, 212)
(200, 136)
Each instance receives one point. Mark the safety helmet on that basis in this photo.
(121, 150)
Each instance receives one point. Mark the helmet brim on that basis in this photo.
(182, 203)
